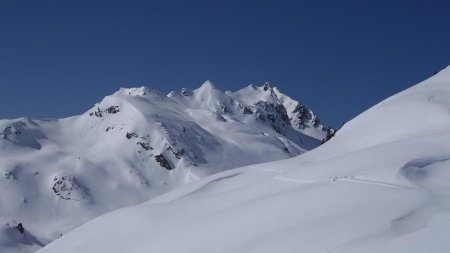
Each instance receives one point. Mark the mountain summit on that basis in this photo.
(136, 144)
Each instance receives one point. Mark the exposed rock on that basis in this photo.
(163, 162)
(112, 109)
(131, 135)
(144, 145)
(68, 188)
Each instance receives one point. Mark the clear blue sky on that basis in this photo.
(57, 58)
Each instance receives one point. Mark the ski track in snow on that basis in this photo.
(345, 179)
(352, 179)
(419, 172)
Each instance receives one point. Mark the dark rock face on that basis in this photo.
(20, 228)
(302, 116)
(68, 188)
(97, 113)
(330, 134)
(163, 162)
(110, 110)
(274, 114)
(186, 92)
(267, 87)
(144, 145)
(131, 135)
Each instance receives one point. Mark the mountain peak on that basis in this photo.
(267, 87)
(207, 85)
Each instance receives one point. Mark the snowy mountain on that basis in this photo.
(56, 174)
(382, 184)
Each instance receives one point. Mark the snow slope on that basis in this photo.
(56, 174)
(382, 184)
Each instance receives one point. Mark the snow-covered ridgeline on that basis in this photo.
(56, 174)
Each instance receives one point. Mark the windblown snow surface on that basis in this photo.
(56, 174)
(382, 184)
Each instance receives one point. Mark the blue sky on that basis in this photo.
(58, 58)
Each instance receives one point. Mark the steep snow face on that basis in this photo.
(382, 184)
(56, 174)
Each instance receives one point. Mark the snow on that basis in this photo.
(57, 174)
(11, 240)
(380, 185)
(301, 118)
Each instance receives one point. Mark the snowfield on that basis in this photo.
(382, 184)
(57, 174)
